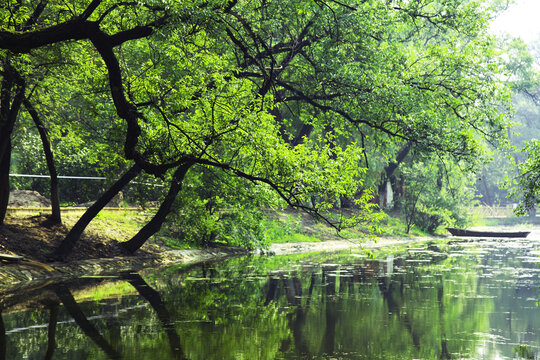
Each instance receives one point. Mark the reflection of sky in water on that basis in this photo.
(464, 299)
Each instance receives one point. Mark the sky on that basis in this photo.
(522, 19)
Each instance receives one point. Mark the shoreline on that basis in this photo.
(30, 272)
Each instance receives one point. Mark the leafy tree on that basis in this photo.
(288, 96)
(522, 169)
(436, 193)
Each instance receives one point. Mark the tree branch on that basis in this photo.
(90, 9)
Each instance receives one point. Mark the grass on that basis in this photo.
(394, 226)
(120, 225)
(291, 227)
(277, 232)
(294, 227)
(279, 227)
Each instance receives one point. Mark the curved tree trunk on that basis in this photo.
(55, 217)
(154, 225)
(76, 231)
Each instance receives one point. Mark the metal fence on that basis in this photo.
(494, 211)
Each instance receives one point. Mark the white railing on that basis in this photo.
(485, 211)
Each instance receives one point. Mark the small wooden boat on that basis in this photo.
(472, 233)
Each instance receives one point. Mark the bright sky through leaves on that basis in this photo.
(520, 20)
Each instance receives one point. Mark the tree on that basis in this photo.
(521, 165)
(287, 96)
(437, 192)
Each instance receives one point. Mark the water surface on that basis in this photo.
(470, 299)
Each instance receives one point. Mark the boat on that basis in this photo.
(473, 233)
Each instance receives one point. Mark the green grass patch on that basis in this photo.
(174, 243)
(287, 228)
(120, 225)
(391, 226)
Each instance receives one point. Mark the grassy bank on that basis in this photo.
(286, 226)
(278, 227)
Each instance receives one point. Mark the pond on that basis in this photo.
(464, 299)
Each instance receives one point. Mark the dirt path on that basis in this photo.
(339, 245)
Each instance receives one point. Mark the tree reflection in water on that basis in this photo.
(428, 304)
(51, 329)
(154, 299)
(65, 296)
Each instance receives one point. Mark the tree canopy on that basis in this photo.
(303, 99)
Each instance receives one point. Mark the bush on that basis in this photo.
(212, 211)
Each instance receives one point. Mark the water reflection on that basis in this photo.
(469, 299)
(71, 306)
(51, 329)
(154, 299)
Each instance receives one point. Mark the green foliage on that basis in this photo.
(288, 230)
(436, 194)
(527, 187)
(395, 225)
(215, 210)
(290, 98)
(71, 158)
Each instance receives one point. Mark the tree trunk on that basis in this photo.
(55, 217)
(9, 110)
(5, 161)
(389, 170)
(76, 231)
(154, 225)
(487, 199)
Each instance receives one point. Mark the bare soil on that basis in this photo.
(27, 237)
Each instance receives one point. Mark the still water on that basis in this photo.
(467, 299)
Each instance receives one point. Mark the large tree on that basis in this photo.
(292, 96)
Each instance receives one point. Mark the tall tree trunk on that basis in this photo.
(76, 231)
(10, 104)
(155, 224)
(487, 195)
(389, 170)
(5, 162)
(55, 217)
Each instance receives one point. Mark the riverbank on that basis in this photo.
(98, 255)
(31, 273)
